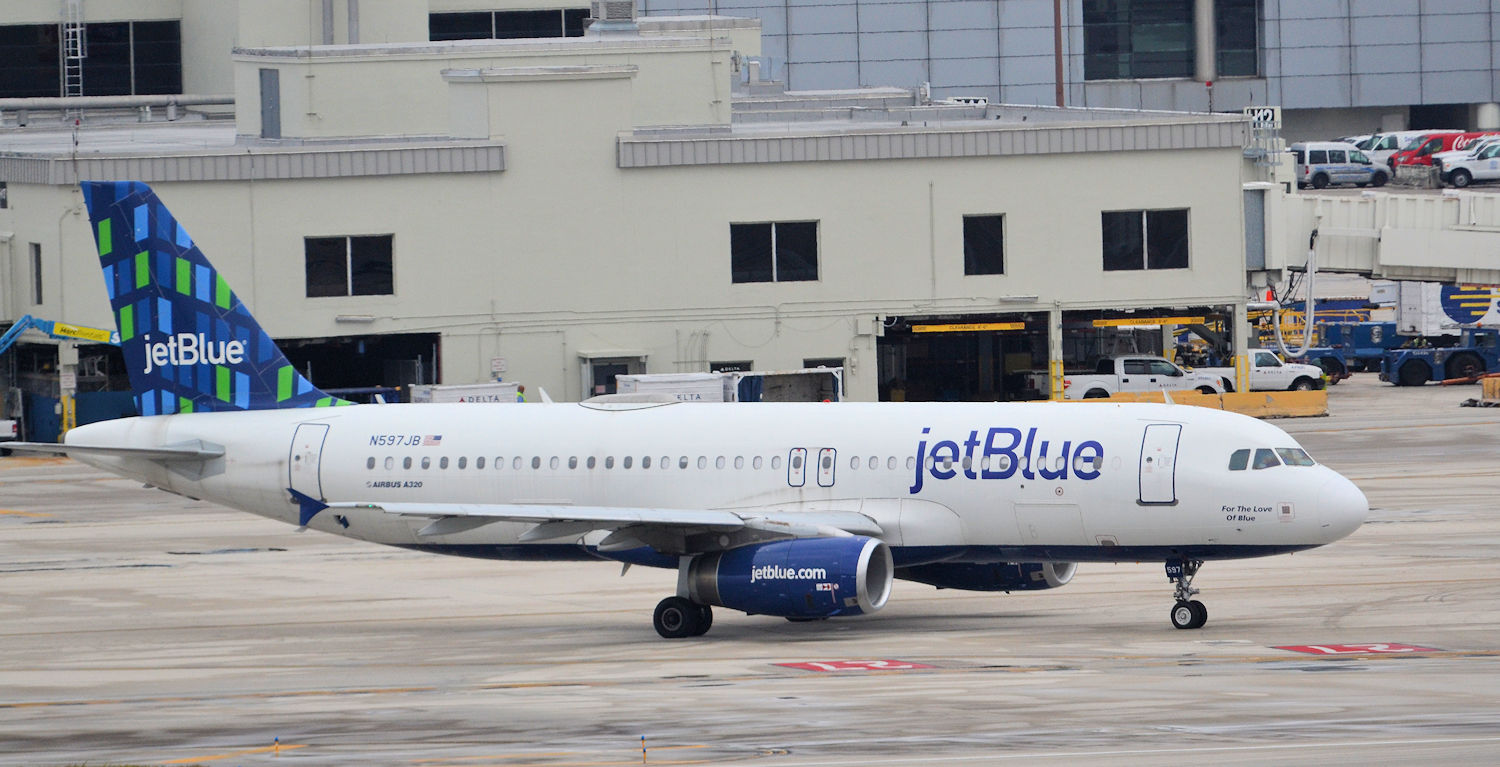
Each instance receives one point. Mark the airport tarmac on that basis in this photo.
(143, 628)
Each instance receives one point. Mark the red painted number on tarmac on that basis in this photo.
(856, 665)
(1355, 649)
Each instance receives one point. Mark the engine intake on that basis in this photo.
(1001, 576)
(799, 578)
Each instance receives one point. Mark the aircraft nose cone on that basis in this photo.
(1342, 506)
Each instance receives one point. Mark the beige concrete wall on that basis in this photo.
(50, 11)
(564, 253)
(398, 90)
(209, 32)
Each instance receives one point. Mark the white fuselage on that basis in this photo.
(945, 481)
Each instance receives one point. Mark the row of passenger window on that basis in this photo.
(873, 462)
(1266, 458)
(609, 462)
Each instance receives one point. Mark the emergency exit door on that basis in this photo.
(304, 466)
(1159, 463)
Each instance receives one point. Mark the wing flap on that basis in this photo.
(196, 450)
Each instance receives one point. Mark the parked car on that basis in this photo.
(1137, 374)
(9, 432)
(1323, 163)
(1466, 169)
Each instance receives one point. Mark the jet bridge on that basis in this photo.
(1451, 237)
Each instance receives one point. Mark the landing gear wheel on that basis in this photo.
(1187, 613)
(677, 617)
(705, 619)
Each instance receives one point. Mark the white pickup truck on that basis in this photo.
(1269, 373)
(1483, 165)
(9, 432)
(1137, 374)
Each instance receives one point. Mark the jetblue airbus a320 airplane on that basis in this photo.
(803, 511)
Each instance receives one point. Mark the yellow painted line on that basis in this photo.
(534, 755)
(15, 513)
(232, 754)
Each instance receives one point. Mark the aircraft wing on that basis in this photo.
(560, 521)
(187, 451)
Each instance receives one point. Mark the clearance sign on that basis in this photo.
(1127, 321)
(968, 327)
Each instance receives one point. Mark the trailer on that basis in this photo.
(1448, 333)
(803, 385)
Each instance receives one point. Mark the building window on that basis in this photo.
(784, 251)
(36, 273)
(124, 58)
(1140, 39)
(29, 59)
(984, 244)
(1135, 39)
(4, 196)
(1237, 35)
(1145, 239)
(349, 266)
(506, 25)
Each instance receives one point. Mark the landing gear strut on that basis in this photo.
(1187, 613)
(678, 617)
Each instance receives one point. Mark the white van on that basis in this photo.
(1381, 146)
(1323, 163)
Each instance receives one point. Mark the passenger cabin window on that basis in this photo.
(1266, 360)
(1164, 368)
(1317, 156)
(1337, 155)
(1136, 368)
(1265, 458)
(1239, 460)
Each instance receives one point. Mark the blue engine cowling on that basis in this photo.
(799, 578)
(999, 576)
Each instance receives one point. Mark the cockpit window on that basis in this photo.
(1239, 459)
(1293, 456)
(1265, 458)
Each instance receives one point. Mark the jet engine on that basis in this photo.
(999, 576)
(798, 578)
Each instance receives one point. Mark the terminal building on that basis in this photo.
(557, 206)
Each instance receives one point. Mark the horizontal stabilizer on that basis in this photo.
(195, 450)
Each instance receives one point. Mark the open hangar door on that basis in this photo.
(1197, 335)
(387, 361)
(965, 358)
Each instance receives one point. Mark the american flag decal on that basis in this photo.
(432, 440)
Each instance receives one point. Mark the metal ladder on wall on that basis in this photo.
(75, 49)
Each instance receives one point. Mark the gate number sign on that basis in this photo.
(1356, 649)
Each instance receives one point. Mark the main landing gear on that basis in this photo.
(678, 617)
(1187, 613)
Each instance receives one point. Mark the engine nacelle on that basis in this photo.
(798, 578)
(999, 576)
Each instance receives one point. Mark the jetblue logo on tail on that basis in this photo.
(190, 349)
(189, 343)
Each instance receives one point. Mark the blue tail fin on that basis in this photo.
(189, 343)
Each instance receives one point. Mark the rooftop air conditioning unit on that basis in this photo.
(613, 10)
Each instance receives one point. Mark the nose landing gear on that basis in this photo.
(1187, 613)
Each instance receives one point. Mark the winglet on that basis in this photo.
(307, 506)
